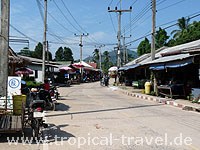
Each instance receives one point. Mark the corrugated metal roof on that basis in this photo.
(38, 61)
(146, 58)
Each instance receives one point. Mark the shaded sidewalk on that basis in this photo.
(180, 103)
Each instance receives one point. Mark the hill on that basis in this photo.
(113, 56)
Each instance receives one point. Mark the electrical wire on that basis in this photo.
(119, 2)
(141, 14)
(171, 5)
(146, 35)
(73, 17)
(112, 23)
(31, 39)
(91, 39)
(133, 2)
(160, 2)
(40, 9)
(65, 16)
(50, 32)
(163, 9)
(110, 2)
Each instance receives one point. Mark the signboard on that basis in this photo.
(14, 88)
(14, 85)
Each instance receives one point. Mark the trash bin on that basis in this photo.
(147, 87)
(18, 101)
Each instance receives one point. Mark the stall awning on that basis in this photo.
(122, 68)
(157, 67)
(125, 68)
(176, 64)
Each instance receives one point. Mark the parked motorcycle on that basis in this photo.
(45, 95)
(50, 103)
(35, 116)
(54, 92)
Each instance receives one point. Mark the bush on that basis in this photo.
(33, 84)
(141, 83)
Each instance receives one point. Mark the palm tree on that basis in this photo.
(183, 25)
(96, 55)
(106, 62)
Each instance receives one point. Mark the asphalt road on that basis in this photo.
(90, 116)
(95, 117)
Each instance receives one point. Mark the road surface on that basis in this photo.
(96, 117)
(92, 117)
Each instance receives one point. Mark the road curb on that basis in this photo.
(171, 102)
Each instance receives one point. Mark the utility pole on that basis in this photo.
(119, 32)
(81, 49)
(153, 29)
(45, 41)
(153, 40)
(81, 44)
(47, 52)
(125, 53)
(4, 46)
(100, 59)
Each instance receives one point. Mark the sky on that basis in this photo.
(65, 18)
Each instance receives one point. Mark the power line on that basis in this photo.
(160, 2)
(133, 2)
(40, 9)
(119, 2)
(112, 23)
(138, 16)
(73, 16)
(57, 20)
(31, 39)
(51, 32)
(171, 5)
(163, 28)
(66, 17)
(110, 2)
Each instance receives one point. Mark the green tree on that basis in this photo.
(25, 52)
(161, 38)
(183, 25)
(106, 62)
(64, 54)
(59, 54)
(192, 33)
(67, 54)
(38, 51)
(50, 56)
(96, 55)
(144, 47)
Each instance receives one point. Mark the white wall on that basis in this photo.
(37, 68)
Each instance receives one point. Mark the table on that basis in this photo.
(174, 90)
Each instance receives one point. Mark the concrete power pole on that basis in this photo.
(81, 49)
(4, 43)
(119, 32)
(100, 59)
(125, 53)
(153, 29)
(81, 44)
(45, 41)
(153, 40)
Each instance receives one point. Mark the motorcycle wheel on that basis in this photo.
(35, 129)
(53, 107)
(56, 96)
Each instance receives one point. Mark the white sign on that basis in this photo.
(14, 88)
(14, 85)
